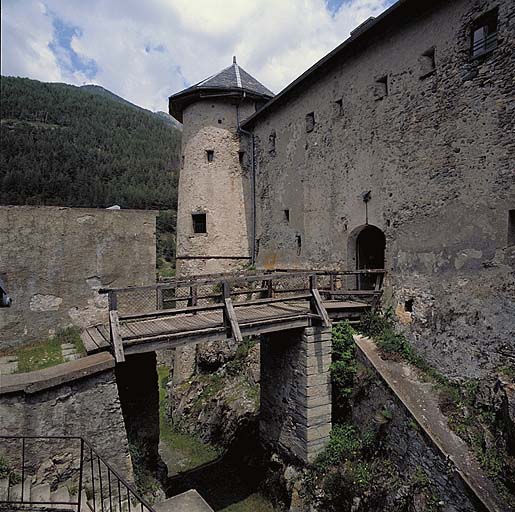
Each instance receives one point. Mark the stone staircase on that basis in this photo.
(17, 496)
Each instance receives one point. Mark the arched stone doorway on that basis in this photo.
(366, 251)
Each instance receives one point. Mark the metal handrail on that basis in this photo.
(112, 474)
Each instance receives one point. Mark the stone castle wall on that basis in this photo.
(87, 406)
(54, 260)
(220, 189)
(437, 154)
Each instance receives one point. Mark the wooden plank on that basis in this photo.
(89, 345)
(115, 337)
(105, 335)
(96, 336)
(231, 315)
(317, 300)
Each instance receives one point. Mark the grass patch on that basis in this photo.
(48, 353)
(165, 268)
(253, 503)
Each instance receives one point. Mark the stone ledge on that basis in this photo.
(56, 375)
(419, 399)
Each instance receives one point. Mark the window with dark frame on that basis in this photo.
(310, 122)
(210, 154)
(199, 222)
(483, 37)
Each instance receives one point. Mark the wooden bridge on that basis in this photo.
(225, 306)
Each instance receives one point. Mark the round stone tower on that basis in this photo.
(214, 214)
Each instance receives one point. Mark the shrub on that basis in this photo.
(373, 324)
(343, 368)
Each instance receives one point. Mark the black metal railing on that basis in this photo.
(92, 483)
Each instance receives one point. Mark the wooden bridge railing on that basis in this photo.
(224, 292)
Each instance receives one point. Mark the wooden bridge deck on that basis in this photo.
(186, 322)
(169, 331)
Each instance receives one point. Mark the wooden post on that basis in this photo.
(116, 338)
(159, 298)
(232, 321)
(112, 301)
(316, 304)
(270, 288)
(193, 295)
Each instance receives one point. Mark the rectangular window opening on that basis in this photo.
(511, 227)
(338, 107)
(286, 215)
(484, 34)
(310, 122)
(427, 63)
(210, 154)
(241, 157)
(298, 239)
(381, 88)
(199, 222)
(271, 143)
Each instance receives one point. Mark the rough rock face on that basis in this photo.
(215, 405)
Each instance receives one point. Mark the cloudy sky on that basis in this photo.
(145, 50)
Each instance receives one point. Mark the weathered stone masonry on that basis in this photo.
(437, 152)
(295, 415)
(54, 260)
(87, 406)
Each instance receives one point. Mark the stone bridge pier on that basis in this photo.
(295, 416)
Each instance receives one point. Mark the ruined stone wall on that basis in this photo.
(436, 153)
(88, 407)
(54, 260)
(220, 189)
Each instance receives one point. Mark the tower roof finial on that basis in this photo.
(234, 59)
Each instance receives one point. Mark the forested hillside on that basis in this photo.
(84, 146)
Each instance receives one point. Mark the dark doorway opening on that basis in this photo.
(370, 245)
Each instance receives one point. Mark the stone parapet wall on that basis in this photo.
(54, 260)
(296, 392)
(87, 406)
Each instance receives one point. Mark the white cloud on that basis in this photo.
(145, 51)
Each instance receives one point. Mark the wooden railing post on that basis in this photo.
(193, 295)
(270, 288)
(316, 304)
(112, 300)
(159, 298)
(229, 316)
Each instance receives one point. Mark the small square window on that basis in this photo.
(310, 122)
(199, 222)
(427, 63)
(210, 154)
(484, 34)
(381, 88)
